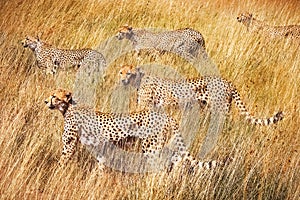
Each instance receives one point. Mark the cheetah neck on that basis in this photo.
(137, 36)
(131, 36)
(137, 80)
(256, 25)
(37, 50)
(40, 48)
(64, 106)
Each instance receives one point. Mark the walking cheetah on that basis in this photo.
(51, 58)
(213, 91)
(185, 42)
(254, 25)
(91, 128)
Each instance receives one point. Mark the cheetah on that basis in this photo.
(51, 58)
(91, 128)
(214, 92)
(255, 25)
(186, 42)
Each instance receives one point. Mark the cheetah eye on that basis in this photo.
(128, 73)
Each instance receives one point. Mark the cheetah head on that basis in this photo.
(129, 74)
(245, 18)
(124, 32)
(59, 99)
(31, 42)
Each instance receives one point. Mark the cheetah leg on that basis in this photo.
(54, 70)
(155, 54)
(182, 155)
(51, 66)
(101, 166)
(51, 69)
(178, 146)
(152, 148)
(137, 54)
(70, 141)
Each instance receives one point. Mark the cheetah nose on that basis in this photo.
(119, 37)
(124, 82)
(51, 106)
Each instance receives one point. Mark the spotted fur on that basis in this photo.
(213, 91)
(186, 42)
(51, 58)
(154, 129)
(255, 25)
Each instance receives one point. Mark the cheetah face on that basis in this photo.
(124, 32)
(59, 99)
(127, 74)
(31, 42)
(244, 17)
(131, 75)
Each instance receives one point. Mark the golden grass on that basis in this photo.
(265, 159)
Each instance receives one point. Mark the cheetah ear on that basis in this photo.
(68, 97)
(138, 70)
(127, 27)
(132, 69)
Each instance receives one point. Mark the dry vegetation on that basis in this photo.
(266, 161)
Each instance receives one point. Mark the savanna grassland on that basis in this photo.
(265, 160)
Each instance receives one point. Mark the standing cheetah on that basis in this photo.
(213, 91)
(186, 42)
(91, 128)
(254, 25)
(51, 58)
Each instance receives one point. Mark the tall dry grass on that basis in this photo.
(265, 159)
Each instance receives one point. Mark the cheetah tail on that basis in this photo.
(252, 119)
(199, 166)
